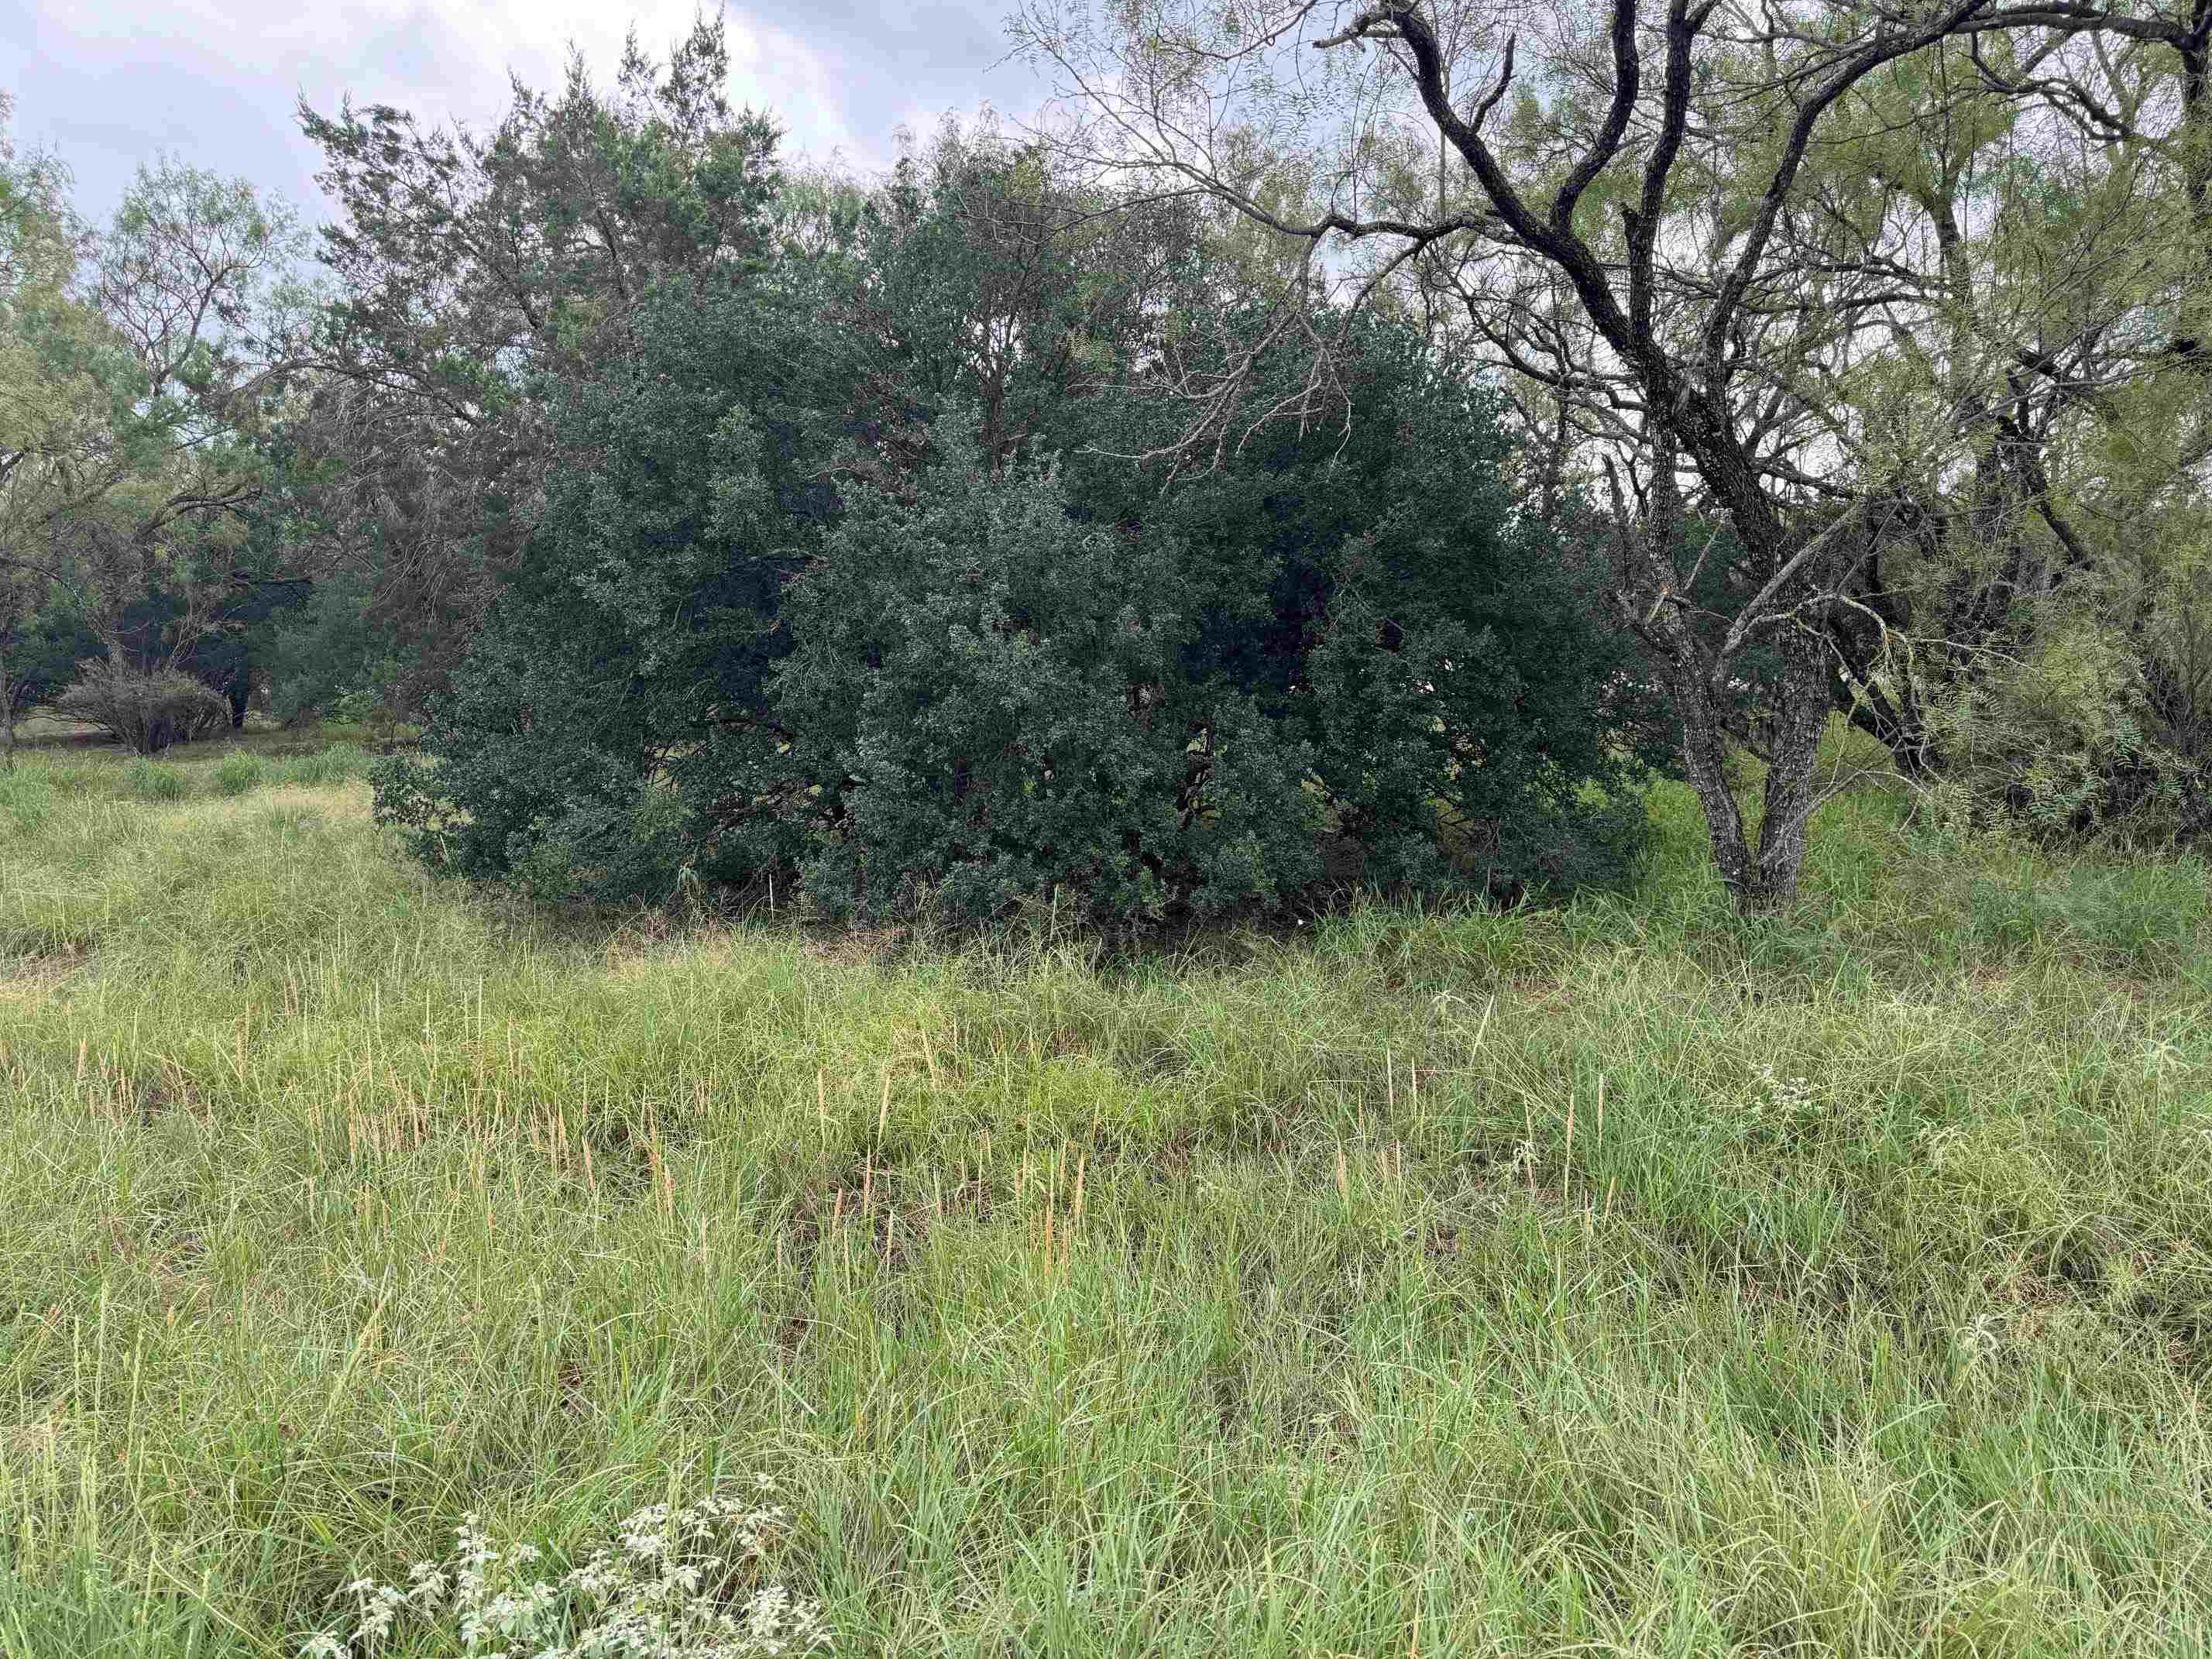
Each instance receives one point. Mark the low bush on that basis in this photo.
(148, 712)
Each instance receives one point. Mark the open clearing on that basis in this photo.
(1615, 1281)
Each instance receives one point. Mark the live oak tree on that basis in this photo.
(838, 586)
(1887, 312)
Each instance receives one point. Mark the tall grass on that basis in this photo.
(1620, 1280)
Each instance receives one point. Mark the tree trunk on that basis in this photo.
(1761, 874)
(1705, 757)
(1792, 775)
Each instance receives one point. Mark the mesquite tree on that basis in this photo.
(1815, 289)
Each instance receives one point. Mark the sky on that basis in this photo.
(109, 83)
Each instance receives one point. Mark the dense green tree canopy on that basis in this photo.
(840, 585)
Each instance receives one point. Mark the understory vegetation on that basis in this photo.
(1626, 1277)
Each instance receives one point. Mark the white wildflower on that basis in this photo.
(655, 1596)
(378, 1604)
(1983, 1338)
(1786, 1097)
(427, 1584)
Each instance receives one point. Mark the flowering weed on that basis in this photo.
(676, 1582)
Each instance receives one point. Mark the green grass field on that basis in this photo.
(1621, 1279)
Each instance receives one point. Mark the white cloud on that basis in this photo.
(110, 82)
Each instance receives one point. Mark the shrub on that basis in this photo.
(334, 647)
(977, 680)
(2094, 726)
(607, 730)
(43, 651)
(146, 712)
(993, 705)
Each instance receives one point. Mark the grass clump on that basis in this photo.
(27, 796)
(2147, 917)
(81, 1609)
(1619, 1278)
(235, 773)
(340, 762)
(154, 781)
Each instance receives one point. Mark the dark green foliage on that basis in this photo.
(1372, 582)
(992, 285)
(218, 636)
(989, 706)
(330, 645)
(42, 658)
(972, 676)
(610, 725)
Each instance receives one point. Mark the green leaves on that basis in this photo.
(974, 681)
(996, 709)
(139, 366)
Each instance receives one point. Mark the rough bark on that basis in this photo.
(7, 711)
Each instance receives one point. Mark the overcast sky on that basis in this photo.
(108, 83)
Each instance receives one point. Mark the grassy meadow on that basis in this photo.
(1620, 1280)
